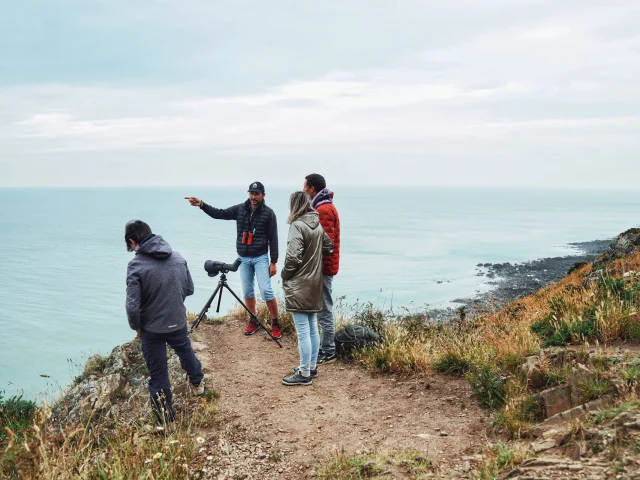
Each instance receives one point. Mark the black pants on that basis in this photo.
(154, 349)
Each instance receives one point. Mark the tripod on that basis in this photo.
(218, 291)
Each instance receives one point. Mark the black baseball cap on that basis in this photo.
(256, 187)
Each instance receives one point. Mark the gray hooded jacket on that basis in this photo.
(158, 281)
(302, 273)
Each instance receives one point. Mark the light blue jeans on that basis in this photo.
(258, 268)
(308, 340)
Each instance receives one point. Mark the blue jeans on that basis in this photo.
(308, 340)
(257, 267)
(154, 350)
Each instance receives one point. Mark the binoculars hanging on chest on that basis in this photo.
(247, 238)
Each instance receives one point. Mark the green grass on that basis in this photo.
(211, 394)
(610, 413)
(556, 375)
(500, 456)
(452, 363)
(15, 414)
(489, 386)
(94, 366)
(412, 464)
(520, 416)
(116, 449)
(595, 388)
(350, 468)
(631, 373)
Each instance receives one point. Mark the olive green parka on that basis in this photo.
(307, 244)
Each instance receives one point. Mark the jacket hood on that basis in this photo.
(312, 219)
(155, 246)
(323, 196)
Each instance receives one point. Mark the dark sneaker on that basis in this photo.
(275, 329)
(297, 379)
(324, 358)
(314, 372)
(251, 328)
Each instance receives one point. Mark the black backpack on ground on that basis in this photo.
(353, 337)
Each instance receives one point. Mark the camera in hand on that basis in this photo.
(213, 267)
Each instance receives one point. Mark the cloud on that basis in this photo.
(541, 85)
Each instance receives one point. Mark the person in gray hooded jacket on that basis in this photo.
(158, 281)
(307, 243)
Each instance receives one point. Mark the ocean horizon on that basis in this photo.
(63, 257)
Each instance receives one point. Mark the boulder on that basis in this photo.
(624, 244)
(556, 400)
(535, 377)
(624, 417)
(543, 445)
(121, 380)
(578, 376)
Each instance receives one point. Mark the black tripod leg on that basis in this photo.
(220, 298)
(201, 315)
(253, 316)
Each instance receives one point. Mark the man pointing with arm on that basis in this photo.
(257, 247)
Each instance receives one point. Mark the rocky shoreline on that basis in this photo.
(517, 280)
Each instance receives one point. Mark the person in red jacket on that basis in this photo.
(322, 198)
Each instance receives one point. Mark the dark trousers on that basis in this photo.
(154, 349)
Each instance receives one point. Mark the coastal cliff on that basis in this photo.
(544, 386)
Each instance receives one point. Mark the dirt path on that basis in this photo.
(346, 409)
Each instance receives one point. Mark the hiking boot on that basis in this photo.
(252, 327)
(276, 332)
(324, 358)
(313, 372)
(297, 379)
(197, 390)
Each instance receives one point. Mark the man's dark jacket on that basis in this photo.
(158, 280)
(262, 221)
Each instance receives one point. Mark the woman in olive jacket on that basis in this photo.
(307, 243)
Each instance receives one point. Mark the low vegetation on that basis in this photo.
(488, 348)
(36, 445)
(343, 467)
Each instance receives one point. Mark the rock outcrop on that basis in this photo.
(623, 245)
(114, 384)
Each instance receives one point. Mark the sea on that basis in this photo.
(63, 257)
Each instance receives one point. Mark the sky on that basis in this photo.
(512, 93)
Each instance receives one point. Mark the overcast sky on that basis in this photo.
(421, 92)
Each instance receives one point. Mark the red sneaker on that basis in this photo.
(251, 328)
(275, 329)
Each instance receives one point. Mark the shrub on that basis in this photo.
(632, 328)
(556, 375)
(556, 333)
(371, 318)
(48, 450)
(452, 363)
(94, 366)
(631, 373)
(520, 414)
(596, 387)
(488, 384)
(15, 414)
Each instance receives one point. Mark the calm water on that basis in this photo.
(63, 258)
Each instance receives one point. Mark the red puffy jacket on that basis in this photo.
(330, 221)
